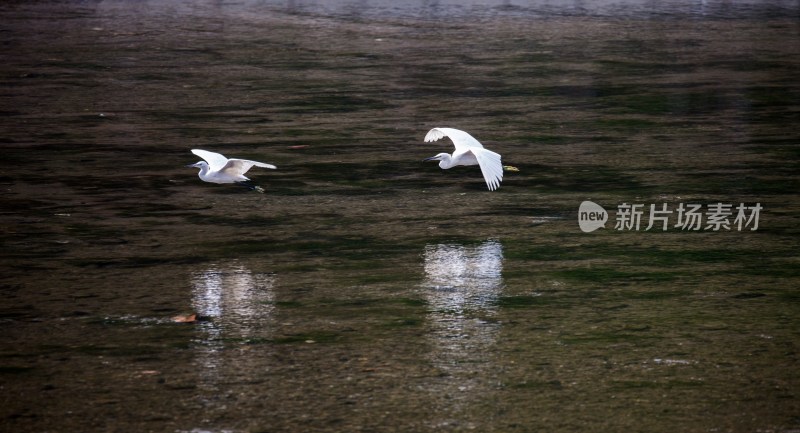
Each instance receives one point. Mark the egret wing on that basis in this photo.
(215, 161)
(462, 140)
(491, 167)
(263, 165)
(236, 166)
(434, 134)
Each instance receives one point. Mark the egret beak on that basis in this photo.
(433, 158)
(195, 165)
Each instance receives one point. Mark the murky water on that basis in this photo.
(367, 290)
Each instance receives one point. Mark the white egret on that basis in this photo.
(219, 169)
(469, 151)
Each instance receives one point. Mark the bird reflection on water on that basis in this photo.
(463, 278)
(462, 284)
(236, 299)
(239, 307)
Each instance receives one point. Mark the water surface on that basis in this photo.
(367, 290)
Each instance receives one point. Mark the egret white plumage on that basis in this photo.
(469, 151)
(219, 169)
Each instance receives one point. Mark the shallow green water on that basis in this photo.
(367, 290)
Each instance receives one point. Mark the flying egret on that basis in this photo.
(469, 151)
(218, 169)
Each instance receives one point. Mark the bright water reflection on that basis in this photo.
(462, 284)
(233, 304)
(461, 278)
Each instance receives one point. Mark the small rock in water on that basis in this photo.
(185, 318)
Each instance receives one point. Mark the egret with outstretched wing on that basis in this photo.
(469, 151)
(219, 169)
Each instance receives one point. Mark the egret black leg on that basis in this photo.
(251, 186)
